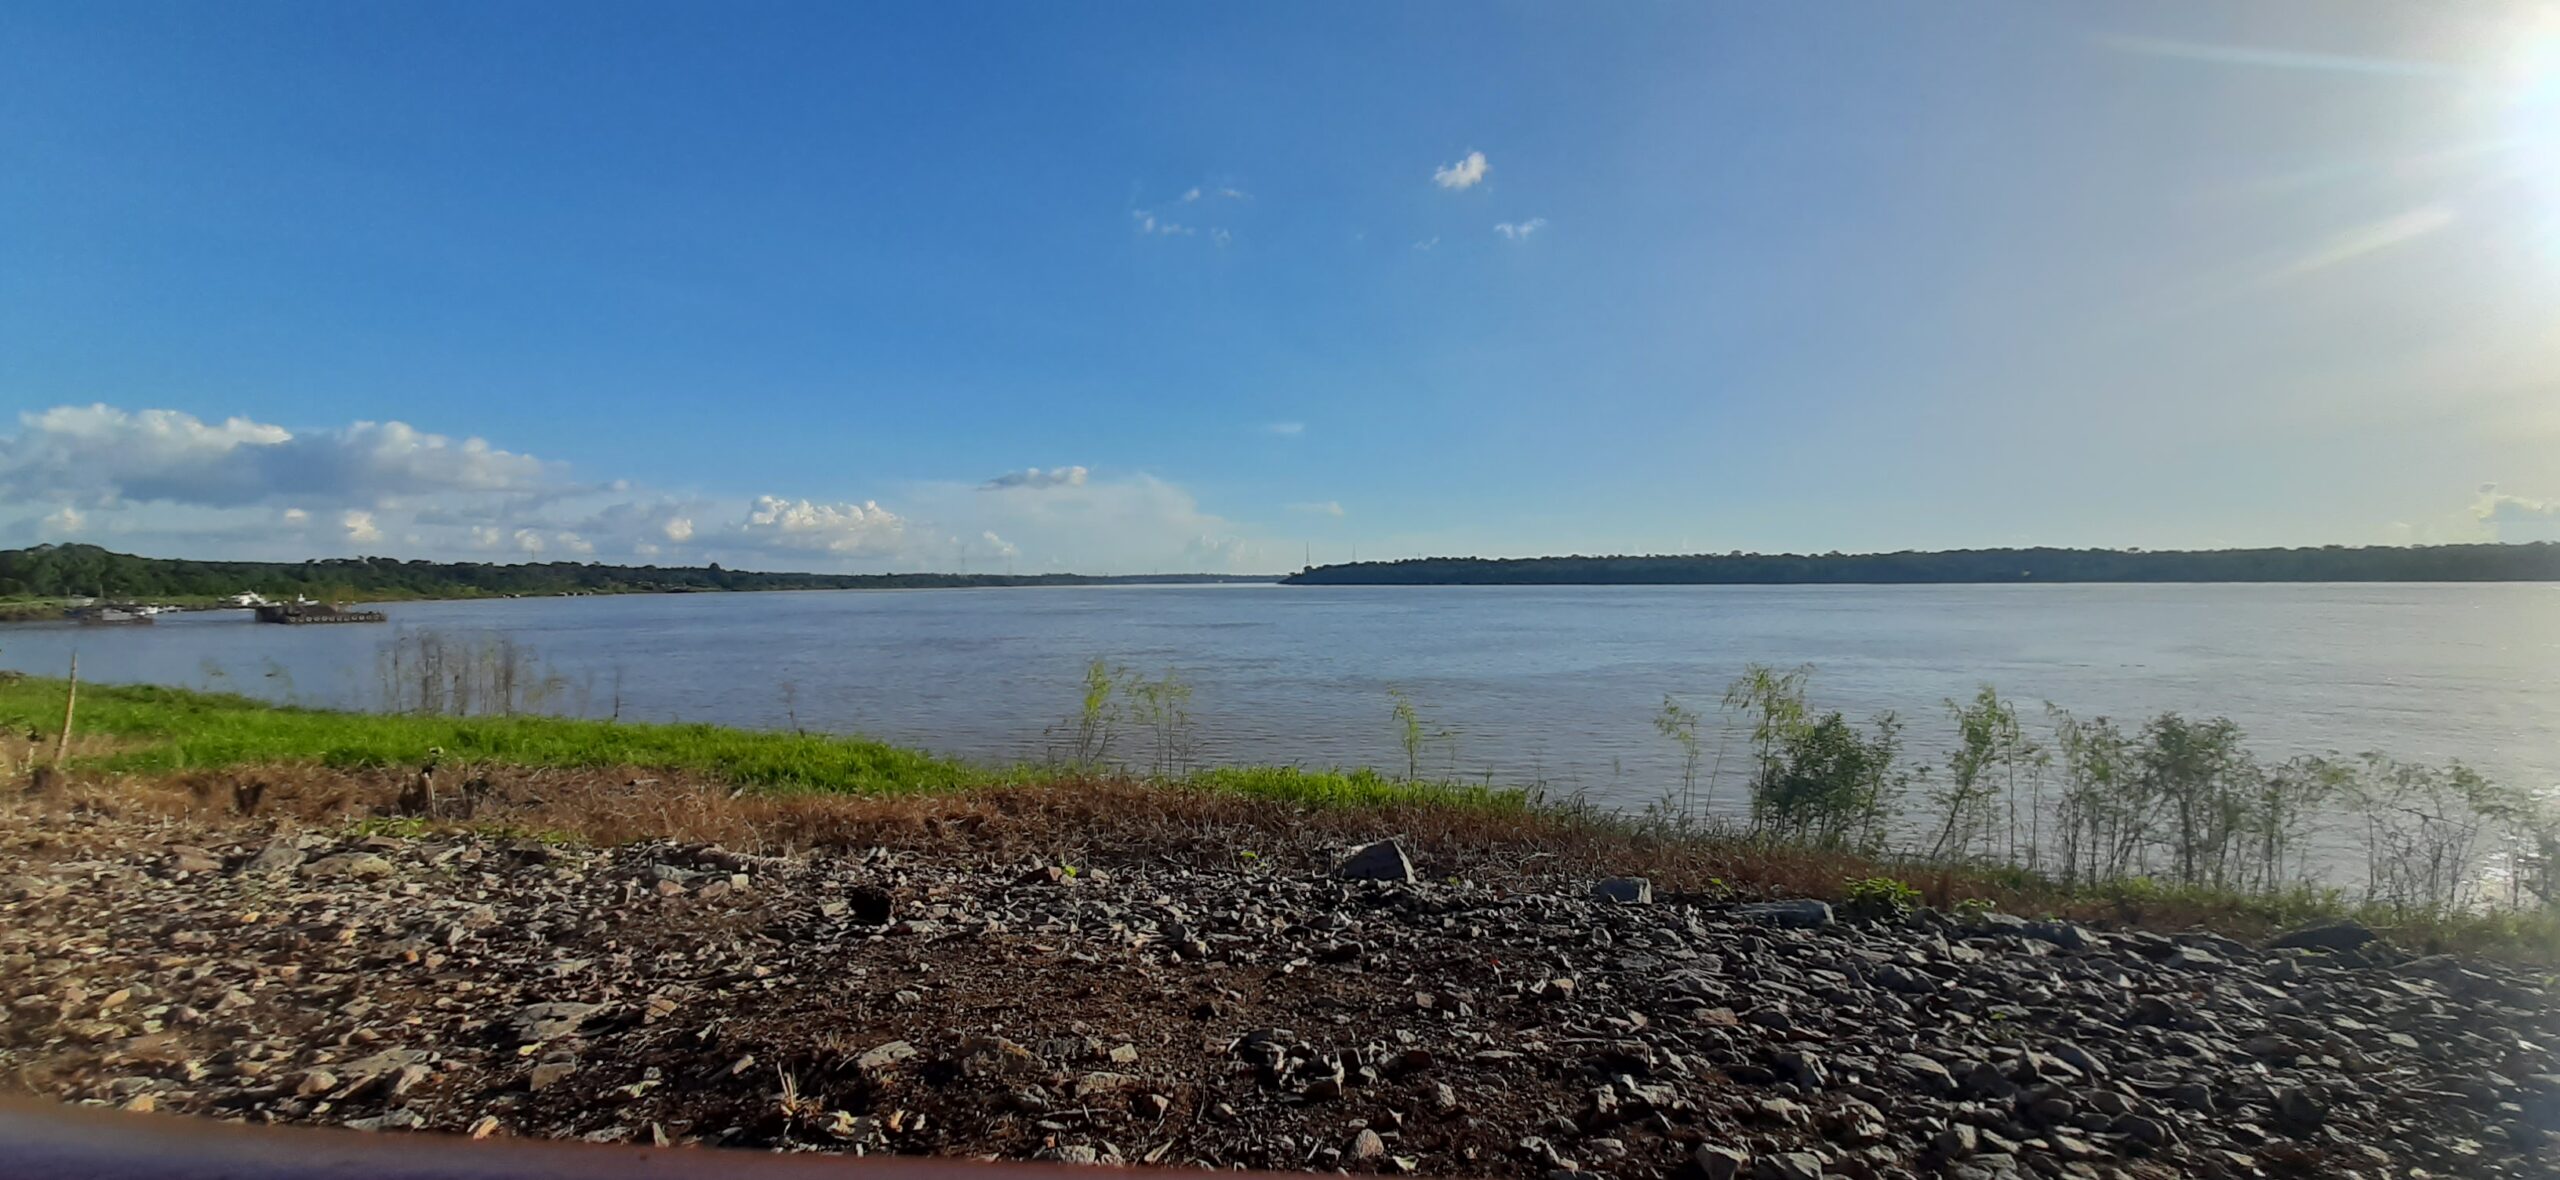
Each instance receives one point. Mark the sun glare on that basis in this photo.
(2532, 101)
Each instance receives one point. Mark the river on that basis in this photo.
(1552, 685)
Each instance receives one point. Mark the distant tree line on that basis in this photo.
(56, 571)
(2537, 562)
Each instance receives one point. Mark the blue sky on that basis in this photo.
(800, 285)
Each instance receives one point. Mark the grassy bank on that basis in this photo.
(147, 730)
(802, 787)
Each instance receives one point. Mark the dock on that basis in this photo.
(301, 613)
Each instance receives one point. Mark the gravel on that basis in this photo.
(1140, 1012)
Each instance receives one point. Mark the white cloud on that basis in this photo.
(1520, 230)
(1135, 523)
(1206, 552)
(1332, 508)
(1285, 429)
(1427, 243)
(1466, 173)
(2495, 507)
(1033, 477)
(1151, 223)
(240, 489)
(847, 528)
(109, 454)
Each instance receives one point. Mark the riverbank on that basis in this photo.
(76, 570)
(1120, 973)
(766, 789)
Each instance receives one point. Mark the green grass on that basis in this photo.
(166, 729)
(169, 729)
(1355, 788)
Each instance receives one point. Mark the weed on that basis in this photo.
(1880, 899)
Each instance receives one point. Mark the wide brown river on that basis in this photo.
(1536, 685)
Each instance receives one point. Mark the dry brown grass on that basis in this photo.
(1116, 821)
(1090, 821)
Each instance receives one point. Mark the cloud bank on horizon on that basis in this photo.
(163, 482)
(167, 483)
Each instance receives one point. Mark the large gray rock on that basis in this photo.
(2344, 935)
(2066, 935)
(884, 1058)
(1381, 861)
(2541, 1101)
(544, 1022)
(281, 855)
(1931, 1075)
(2297, 1111)
(1802, 914)
(1996, 922)
(1794, 1165)
(1624, 891)
(1720, 1162)
(350, 866)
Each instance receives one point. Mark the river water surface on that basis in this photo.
(1550, 685)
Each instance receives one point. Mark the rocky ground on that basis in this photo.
(1147, 1010)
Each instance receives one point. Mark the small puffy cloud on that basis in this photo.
(63, 523)
(487, 536)
(1285, 429)
(296, 516)
(570, 542)
(1427, 243)
(1520, 230)
(1197, 192)
(678, 529)
(1332, 508)
(847, 529)
(1149, 223)
(360, 526)
(644, 549)
(1002, 547)
(528, 542)
(1033, 477)
(2495, 507)
(1466, 173)
(1207, 552)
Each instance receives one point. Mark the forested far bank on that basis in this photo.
(60, 571)
(2534, 562)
